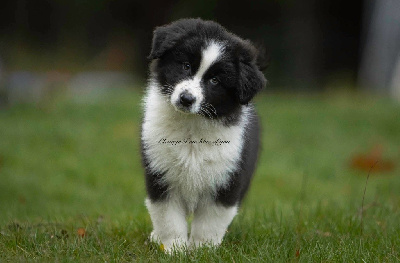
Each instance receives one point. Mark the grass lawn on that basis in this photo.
(72, 188)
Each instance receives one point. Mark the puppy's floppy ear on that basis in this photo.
(160, 42)
(166, 37)
(251, 79)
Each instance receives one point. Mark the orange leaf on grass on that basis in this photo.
(372, 161)
(81, 232)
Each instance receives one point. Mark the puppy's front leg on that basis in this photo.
(210, 223)
(169, 224)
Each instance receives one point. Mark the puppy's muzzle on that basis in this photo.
(186, 99)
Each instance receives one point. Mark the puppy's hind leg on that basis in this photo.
(169, 224)
(210, 223)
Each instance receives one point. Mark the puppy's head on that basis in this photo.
(203, 69)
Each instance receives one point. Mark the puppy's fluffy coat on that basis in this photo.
(202, 79)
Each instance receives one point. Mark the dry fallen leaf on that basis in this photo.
(372, 161)
(81, 232)
(22, 199)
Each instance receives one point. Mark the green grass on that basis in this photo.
(66, 165)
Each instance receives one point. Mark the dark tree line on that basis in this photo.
(309, 41)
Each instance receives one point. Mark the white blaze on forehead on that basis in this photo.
(209, 55)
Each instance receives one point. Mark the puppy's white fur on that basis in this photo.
(193, 171)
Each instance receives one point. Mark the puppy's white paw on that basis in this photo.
(174, 245)
(169, 246)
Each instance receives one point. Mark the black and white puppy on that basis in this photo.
(200, 134)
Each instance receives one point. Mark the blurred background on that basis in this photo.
(72, 75)
(313, 45)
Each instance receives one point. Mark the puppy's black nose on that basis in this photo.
(187, 99)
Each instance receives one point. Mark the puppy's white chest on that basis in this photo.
(195, 155)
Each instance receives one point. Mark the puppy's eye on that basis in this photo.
(186, 66)
(214, 81)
